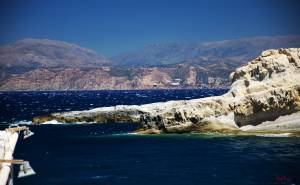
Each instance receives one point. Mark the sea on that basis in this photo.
(111, 154)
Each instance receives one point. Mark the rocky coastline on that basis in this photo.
(264, 98)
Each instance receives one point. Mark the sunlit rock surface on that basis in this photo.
(261, 92)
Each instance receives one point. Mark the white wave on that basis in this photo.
(26, 122)
(53, 122)
(22, 122)
(125, 134)
(101, 176)
(142, 96)
(275, 135)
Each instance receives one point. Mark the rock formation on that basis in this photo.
(263, 92)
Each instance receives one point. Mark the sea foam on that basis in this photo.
(275, 135)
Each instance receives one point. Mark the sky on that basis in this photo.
(111, 27)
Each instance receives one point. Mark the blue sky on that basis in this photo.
(115, 26)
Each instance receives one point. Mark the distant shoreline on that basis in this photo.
(150, 89)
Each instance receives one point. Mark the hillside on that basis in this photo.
(42, 64)
(28, 54)
(233, 52)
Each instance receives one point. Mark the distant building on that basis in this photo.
(106, 68)
(176, 82)
(216, 81)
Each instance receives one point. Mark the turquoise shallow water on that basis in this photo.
(109, 154)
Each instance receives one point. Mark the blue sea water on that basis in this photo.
(108, 154)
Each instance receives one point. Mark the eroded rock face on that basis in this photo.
(263, 90)
(267, 87)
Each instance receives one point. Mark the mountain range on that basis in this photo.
(43, 64)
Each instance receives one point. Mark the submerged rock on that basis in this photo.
(263, 90)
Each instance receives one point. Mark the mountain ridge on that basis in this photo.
(48, 53)
(171, 53)
(44, 64)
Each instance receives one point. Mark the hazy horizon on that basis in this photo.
(144, 46)
(113, 27)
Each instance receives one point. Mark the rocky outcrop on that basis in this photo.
(262, 91)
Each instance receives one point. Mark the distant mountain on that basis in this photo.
(99, 78)
(33, 64)
(232, 52)
(28, 54)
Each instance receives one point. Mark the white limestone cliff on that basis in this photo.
(262, 91)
